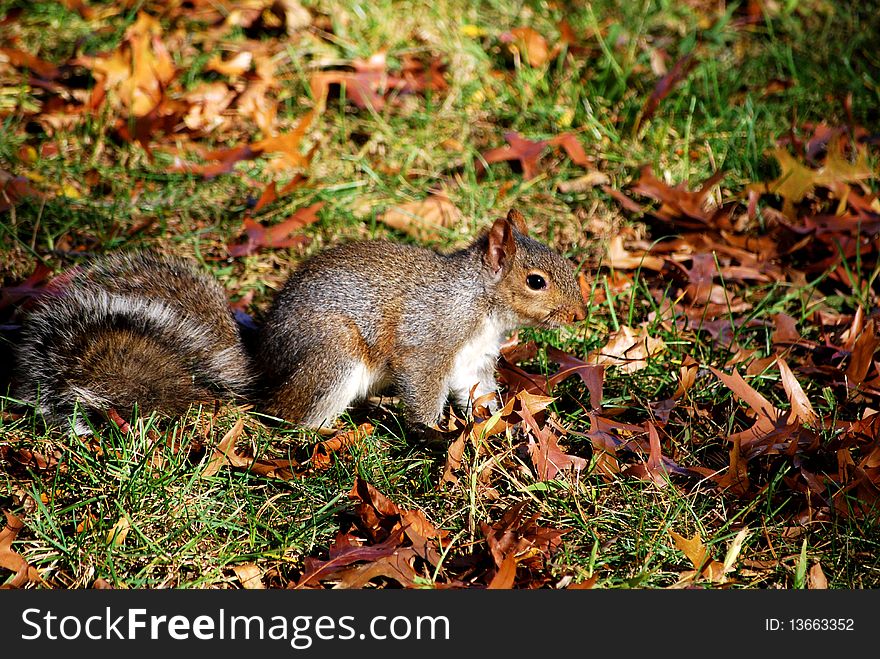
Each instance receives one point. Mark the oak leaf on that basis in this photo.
(426, 219)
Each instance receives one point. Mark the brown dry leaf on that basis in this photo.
(453, 459)
(345, 551)
(278, 235)
(22, 60)
(296, 17)
(207, 102)
(628, 349)
(287, 146)
(13, 189)
(573, 148)
(225, 453)
(774, 430)
(322, 454)
(426, 219)
(685, 208)
(736, 478)
(687, 376)
(618, 257)
(530, 43)
(653, 469)
(528, 152)
(118, 533)
(862, 356)
(664, 86)
(801, 409)
(529, 544)
(365, 86)
(693, 548)
(701, 288)
(816, 579)
(506, 575)
(250, 575)
(389, 527)
(139, 70)
(12, 560)
(592, 375)
(547, 456)
(255, 104)
(397, 566)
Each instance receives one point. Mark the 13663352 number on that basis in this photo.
(821, 624)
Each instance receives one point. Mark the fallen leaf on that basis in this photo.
(250, 576)
(426, 219)
(528, 153)
(862, 356)
(277, 235)
(323, 451)
(664, 86)
(506, 575)
(801, 409)
(816, 579)
(617, 256)
(693, 548)
(628, 349)
(592, 375)
(287, 146)
(118, 533)
(12, 560)
(224, 453)
(236, 65)
(530, 43)
(680, 206)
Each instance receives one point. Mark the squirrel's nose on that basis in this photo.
(578, 313)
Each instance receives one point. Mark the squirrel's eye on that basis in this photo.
(536, 282)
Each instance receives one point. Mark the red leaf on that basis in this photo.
(277, 235)
(592, 375)
(664, 86)
(529, 152)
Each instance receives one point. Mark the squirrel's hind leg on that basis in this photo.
(353, 382)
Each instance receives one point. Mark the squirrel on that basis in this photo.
(130, 330)
(361, 316)
(154, 332)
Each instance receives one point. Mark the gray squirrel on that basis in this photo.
(359, 317)
(130, 330)
(155, 332)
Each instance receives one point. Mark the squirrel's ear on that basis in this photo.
(502, 246)
(516, 218)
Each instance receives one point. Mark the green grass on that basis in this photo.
(188, 531)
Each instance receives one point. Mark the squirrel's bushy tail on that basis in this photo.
(130, 331)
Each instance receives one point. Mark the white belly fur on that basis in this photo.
(353, 385)
(475, 362)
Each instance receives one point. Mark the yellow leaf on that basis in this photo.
(117, 534)
(693, 548)
(472, 31)
(796, 180)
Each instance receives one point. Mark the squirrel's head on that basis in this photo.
(532, 280)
